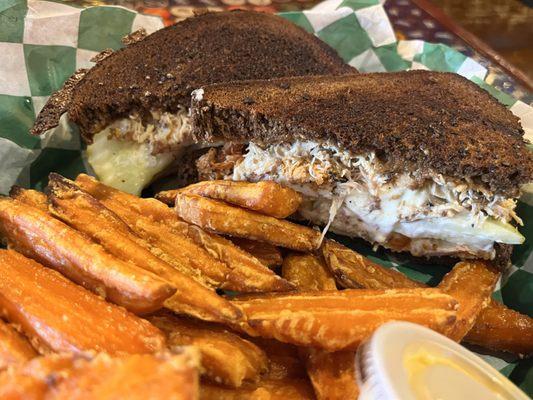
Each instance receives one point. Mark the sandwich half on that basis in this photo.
(420, 162)
(132, 106)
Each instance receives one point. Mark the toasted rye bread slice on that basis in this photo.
(416, 120)
(161, 70)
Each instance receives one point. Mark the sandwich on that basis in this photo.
(419, 162)
(131, 108)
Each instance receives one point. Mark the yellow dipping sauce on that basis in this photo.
(435, 373)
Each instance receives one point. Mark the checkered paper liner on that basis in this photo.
(43, 43)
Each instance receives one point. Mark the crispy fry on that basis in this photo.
(15, 387)
(167, 196)
(341, 320)
(29, 197)
(332, 374)
(234, 221)
(226, 357)
(497, 327)
(353, 271)
(472, 284)
(283, 359)
(248, 274)
(177, 249)
(40, 236)
(268, 254)
(14, 348)
(151, 208)
(265, 197)
(307, 272)
(31, 380)
(151, 217)
(291, 389)
(59, 315)
(138, 376)
(500, 328)
(86, 214)
(247, 279)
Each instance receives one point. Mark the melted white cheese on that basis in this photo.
(128, 154)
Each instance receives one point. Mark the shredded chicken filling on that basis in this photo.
(337, 172)
(420, 213)
(163, 132)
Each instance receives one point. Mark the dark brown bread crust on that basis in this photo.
(160, 71)
(57, 104)
(501, 261)
(415, 120)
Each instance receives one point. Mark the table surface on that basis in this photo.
(413, 19)
(505, 25)
(422, 19)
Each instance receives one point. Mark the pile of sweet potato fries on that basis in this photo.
(104, 295)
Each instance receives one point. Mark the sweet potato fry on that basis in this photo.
(268, 254)
(254, 277)
(265, 197)
(40, 236)
(248, 274)
(151, 208)
(500, 328)
(152, 218)
(176, 249)
(59, 315)
(341, 320)
(20, 387)
(497, 327)
(14, 348)
(354, 271)
(32, 380)
(471, 283)
(29, 197)
(307, 272)
(290, 389)
(222, 218)
(283, 359)
(167, 196)
(332, 374)
(86, 214)
(225, 357)
(138, 376)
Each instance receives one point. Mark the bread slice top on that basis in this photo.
(418, 120)
(160, 71)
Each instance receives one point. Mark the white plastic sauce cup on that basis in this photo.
(406, 361)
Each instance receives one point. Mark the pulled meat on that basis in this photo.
(219, 162)
(422, 212)
(163, 132)
(335, 172)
